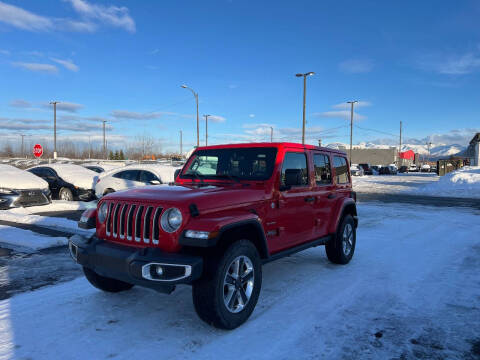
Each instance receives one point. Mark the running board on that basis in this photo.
(301, 247)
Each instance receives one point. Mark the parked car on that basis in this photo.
(385, 170)
(393, 169)
(433, 169)
(214, 230)
(67, 181)
(367, 170)
(134, 176)
(356, 170)
(20, 188)
(413, 168)
(425, 168)
(100, 168)
(403, 169)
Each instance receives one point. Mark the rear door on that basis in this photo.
(324, 192)
(342, 176)
(295, 206)
(125, 179)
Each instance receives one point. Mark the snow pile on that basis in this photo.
(75, 174)
(24, 216)
(63, 205)
(13, 178)
(11, 237)
(405, 183)
(464, 182)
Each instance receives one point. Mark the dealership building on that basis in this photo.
(373, 156)
(473, 150)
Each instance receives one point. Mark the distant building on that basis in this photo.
(372, 156)
(473, 150)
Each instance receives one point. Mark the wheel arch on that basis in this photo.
(249, 230)
(348, 208)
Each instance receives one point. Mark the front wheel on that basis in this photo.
(105, 283)
(226, 295)
(340, 249)
(65, 194)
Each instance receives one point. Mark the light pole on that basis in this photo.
(428, 145)
(181, 143)
(351, 128)
(206, 129)
(22, 135)
(54, 103)
(195, 94)
(104, 141)
(304, 99)
(271, 133)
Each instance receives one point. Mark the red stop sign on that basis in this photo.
(37, 150)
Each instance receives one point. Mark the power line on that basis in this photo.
(377, 131)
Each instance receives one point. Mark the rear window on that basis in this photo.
(127, 175)
(341, 170)
(323, 174)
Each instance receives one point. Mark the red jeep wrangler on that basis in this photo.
(231, 209)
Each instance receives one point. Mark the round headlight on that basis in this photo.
(102, 212)
(171, 220)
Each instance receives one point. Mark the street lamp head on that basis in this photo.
(298, 75)
(184, 86)
(310, 73)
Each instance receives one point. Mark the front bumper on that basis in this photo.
(24, 198)
(136, 266)
(85, 194)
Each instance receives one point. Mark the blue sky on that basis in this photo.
(124, 61)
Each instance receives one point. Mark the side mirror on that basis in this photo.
(293, 177)
(155, 182)
(177, 172)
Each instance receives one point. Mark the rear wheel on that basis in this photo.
(341, 248)
(105, 283)
(227, 294)
(65, 194)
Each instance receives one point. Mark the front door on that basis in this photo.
(294, 215)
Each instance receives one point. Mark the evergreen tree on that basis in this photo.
(110, 155)
(121, 155)
(116, 156)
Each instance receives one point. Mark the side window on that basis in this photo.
(294, 170)
(341, 170)
(49, 173)
(127, 175)
(323, 173)
(147, 176)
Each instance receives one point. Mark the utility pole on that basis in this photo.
(89, 147)
(428, 145)
(351, 128)
(400, 161)
(54, 103)
(23, 152)
(195, 94)
(271, 133)
(206, 129)
(181, 143)
(104, 141)
(304, 100)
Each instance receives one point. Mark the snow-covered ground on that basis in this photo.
(24, 240)
(411, 291)
(62, 205)
(460, 183)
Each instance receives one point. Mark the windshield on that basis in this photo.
(234, 163)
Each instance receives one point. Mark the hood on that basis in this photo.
(206, 197)
(13, 178)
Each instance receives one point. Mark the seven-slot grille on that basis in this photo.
(133, 222)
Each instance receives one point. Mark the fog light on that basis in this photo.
(194, 234)
(159, 270)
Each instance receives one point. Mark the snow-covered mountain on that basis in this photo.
(436, 150)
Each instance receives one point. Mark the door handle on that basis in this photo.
(310, 199)
(331, 196)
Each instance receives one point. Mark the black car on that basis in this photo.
(384, 170)
(61, 189)
(403, 169)
(367, 170)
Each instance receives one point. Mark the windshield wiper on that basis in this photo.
(196, 175)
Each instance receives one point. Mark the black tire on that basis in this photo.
(336, 251)
(65, 194)
(105, 283)
(210, 291)
(108, 191)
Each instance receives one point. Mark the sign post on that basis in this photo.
(37, 150)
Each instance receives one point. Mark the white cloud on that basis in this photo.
(356, 66)
(37, 67)
(20, 103)
(132, 115)
(24, 19)
(232, 86)
(91, 16)
(67, 64)
(451, 64)
(65, 106)
(251, 116)
(4, 52)
(112, 15)
(339, 114)
(216, 118)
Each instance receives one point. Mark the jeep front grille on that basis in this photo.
(133, 223)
